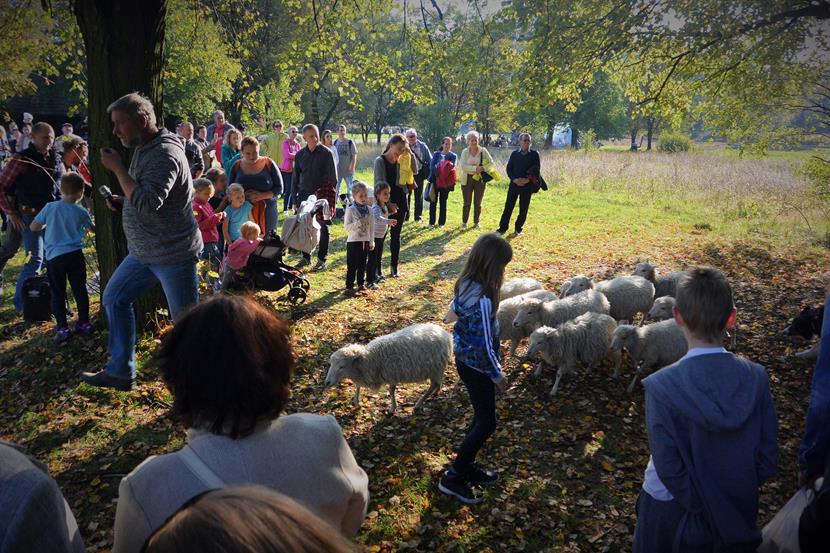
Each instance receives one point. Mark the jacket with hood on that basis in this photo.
(158, 218)
(712, 433)
(476, 332)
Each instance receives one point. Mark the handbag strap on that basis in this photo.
(200, 469)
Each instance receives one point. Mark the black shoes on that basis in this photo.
(321, 265)
(394, 273)
(457, 486)
(103, 380)
(501, 231)
(303, 263)
(480, 475)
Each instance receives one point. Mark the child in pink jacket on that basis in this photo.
(240, 251)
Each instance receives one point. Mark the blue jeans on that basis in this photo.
(33, 244)
(348, 179)
(130, 280)
(816, 444)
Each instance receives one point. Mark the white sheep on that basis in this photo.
(535, 312)
(510, 289)
(584, 341)
(652, 346)
(628, 295)
(509, 308)
(415, 353)
(518, 286)
(664, 285)
(662, 309)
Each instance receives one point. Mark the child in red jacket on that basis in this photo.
(207, 220)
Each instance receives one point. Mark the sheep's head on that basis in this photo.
(343, 362)
(528, 311)
(662, 309)
(578, 284)
(623, 335)
(645, 270)
(539, 339)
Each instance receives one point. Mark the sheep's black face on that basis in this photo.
(807, 323)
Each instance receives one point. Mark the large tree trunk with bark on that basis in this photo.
(574, 138)
(634, 138)
(123, 40)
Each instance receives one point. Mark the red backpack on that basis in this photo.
(446, 176)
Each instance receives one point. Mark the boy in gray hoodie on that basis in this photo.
(711, 431)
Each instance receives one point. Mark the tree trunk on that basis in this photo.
(574, 138)
(650, 126)
(123, 40)
(549, 137)
(633, 139)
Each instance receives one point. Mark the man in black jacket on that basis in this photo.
(27, 183)
(422, 155)
(315, 173)
(523, 170)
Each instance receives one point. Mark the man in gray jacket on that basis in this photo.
(162, 236)
(422, 155)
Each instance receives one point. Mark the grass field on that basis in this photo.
(571, 468)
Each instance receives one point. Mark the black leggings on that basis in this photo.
(483, 397)
(440, 204)
(395, 240)
(70, 265)
(356, 255)
(373, 264)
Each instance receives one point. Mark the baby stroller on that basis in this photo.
(266, 271)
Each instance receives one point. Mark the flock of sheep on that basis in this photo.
(585, 323)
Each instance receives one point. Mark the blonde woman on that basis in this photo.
(474, 161)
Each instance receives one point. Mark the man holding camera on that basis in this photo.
(161, 232)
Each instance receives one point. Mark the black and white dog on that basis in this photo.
(806, 325)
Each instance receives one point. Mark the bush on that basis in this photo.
(674, 142)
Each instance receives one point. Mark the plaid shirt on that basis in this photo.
(8, 176)
(327, 192)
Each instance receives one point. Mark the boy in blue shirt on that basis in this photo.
(66, 223)
(711, 431)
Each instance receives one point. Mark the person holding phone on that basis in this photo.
(162, 235)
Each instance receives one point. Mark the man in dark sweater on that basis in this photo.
(162, 235)
(28, 183)
(523, 167)
(315, 173)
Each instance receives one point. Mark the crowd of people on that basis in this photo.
(253, 479)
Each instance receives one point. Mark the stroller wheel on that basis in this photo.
(296, 296)
(305, 284)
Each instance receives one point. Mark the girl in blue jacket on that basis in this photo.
(477, 359)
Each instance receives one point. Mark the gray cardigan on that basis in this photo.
(303, 456)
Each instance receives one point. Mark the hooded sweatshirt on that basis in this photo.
(712, 434)
(158, 218)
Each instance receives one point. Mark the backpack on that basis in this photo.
(445, 175)
(37, 299)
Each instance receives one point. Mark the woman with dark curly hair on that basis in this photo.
(230, 400)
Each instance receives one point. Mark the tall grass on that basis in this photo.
(762, 195)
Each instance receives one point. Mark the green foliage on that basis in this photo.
(25, 28)
(672, 142)
(199, 69)
(273, 101)
(435, 122)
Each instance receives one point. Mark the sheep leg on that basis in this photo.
(634, 380)
(431, 390)
(616, 356)
(538, 371)
(555, 384)
(356, 398)
(393, 406)
(513, 345)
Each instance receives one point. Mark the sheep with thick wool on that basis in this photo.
(510, 289)
(583, 341)
(535, 312)
(664, 285)
(413, 354)
(506, 314)
(662, 309)
(628, 295)
(652, 346)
